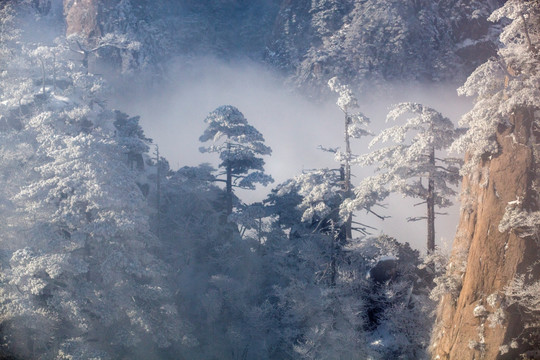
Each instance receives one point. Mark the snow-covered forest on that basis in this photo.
(116, 245)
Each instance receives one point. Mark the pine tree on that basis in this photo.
(239, 146)
(79, 278)
(355, 124)
(411, 166)
(221, 288)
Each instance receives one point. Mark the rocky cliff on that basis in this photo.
(471, 323)
(491, 309)
(83, 17)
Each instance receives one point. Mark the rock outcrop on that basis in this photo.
(83, 17)
(475, 323)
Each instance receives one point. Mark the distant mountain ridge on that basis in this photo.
(308, 41)
(379, 41)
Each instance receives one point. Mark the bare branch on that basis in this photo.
(364, 225)
(447, 170)
(377, 215)
(330, 150)
(413, 219)
(361, 230)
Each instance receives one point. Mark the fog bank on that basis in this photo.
(293, 126)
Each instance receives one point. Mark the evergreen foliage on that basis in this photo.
(107, 253)
(411, 167)
(372, 42)
(239, 146)
(79, 274)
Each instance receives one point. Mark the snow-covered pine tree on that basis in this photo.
(221, 288)
(355, 127)
(353, 315)
(239, 146)
(132, 139)
(79, 278)
(317, 302)
(411, 166)
(318, 194)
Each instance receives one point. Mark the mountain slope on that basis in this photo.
(309, 41)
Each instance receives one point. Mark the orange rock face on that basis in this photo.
(464, 330)
(82, 17)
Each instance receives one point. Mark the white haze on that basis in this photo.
(292, 125)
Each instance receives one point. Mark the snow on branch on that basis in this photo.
(524, 223)
(346, 100)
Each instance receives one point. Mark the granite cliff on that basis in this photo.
(491, 309)
(470, 322)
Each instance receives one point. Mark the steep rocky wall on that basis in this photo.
(494, 258)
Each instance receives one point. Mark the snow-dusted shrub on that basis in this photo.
(525, 223)
(524, 293)
(449, 280)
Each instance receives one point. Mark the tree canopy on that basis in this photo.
(240, 147)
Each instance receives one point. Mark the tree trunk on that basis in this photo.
(335, 236)
(347, 176)
(228, 186)
(431, 205)
(431, 217)
(229, 228)
(229, 192)
(158, 192)
(345, 230)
